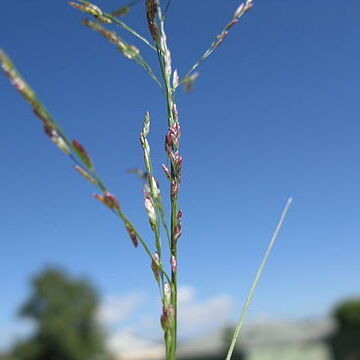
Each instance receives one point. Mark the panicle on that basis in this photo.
(123, 11)
(188, 82)
(82, 154)
(167, 317)
(167, 294)
(56, 139)
(149, 206)
(168, 313)
(91, 9)
(15, 78)
(179, 215)
(155, 266)
(129, 51)
(176, 160)
(151, 9)
(132, 234)
(85, 174)
(177, 231)
(109, 200)
(173, 263)
(167, 172)
(175, 82)
(221, 37)
(154, 186)
(146, 126)
(241, 10)
(172, 138)
(175, 187)
(24, 89)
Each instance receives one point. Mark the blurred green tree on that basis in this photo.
(63, 310)
(345, 342)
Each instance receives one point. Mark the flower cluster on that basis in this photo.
(168, 312)
(172, 140)
(129, 51)
(240, 11)
(150, 208)
(109, 200)
(82, 154)
(50, 128)
(132, 234)
(91, 9)
(151, 8)
(156, 266)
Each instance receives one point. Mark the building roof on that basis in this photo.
(255, 336)
(260, 334)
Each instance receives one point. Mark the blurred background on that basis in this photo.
(274, 113)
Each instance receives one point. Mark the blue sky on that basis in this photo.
(275, 112)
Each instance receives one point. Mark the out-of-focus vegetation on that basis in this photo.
(345, 342)
(63, 310)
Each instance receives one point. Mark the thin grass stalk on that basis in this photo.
(102, 16)
(256, 280)
(240, 11)
(129, 51)
(67, 146)
(131, 30)
(153, 201)
(165, 64)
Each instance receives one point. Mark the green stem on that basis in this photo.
(256, 280)
(165, 65)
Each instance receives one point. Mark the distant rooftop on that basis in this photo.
(256, 336)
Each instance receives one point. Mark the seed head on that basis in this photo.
(189, 81)
(146, 126)
(86, 7)
(85, 174)
(132, 234)
(174, 189)
(151, 9)
(82, 154)
(167, 172)
(56, 139)
(177, 232)
(129, 51)
(149, 206)
(231, 24)
(172, 138)
(173, 263)
(167, 295)
(155, 266)
(167, 317)
(109, 200)
(179, 215)
(176, 160)
(238, 12)
(175, 81)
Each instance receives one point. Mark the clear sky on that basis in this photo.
(275, 112)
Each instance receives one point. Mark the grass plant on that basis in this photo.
(168, 225)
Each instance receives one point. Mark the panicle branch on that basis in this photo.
(74, 149)
(129, 51)
(104, 17)
(239, 12)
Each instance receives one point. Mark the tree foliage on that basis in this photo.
(345, 342)
(63, 310)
